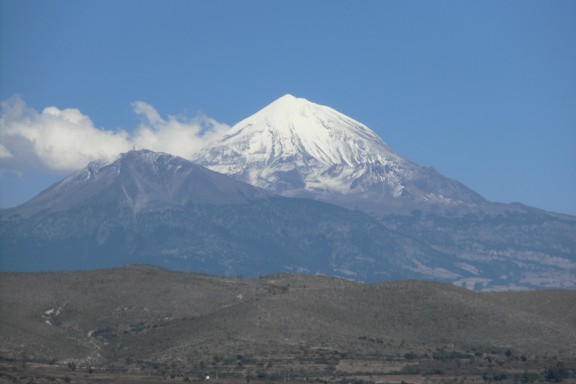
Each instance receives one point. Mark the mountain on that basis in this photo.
(160, 209)
(156, 322)
(140, 181)
(373, 215)
(297, 148)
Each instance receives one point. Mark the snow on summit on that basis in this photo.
(293, 134)
(291, 125)
(298, 148)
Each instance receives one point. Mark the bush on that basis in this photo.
(410, 356)
(557, 373)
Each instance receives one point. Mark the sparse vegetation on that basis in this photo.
(129, 324)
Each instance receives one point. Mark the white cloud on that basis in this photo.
(59, 140)
(66, 140)
(4, 152)
(178, 135)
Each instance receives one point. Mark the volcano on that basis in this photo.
(298, 148)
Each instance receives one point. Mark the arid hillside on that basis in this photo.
(141, 319)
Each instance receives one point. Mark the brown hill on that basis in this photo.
(142, 318)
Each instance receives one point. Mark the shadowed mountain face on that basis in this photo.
(139, 317)
(140, 181)
(156, 208)
(159, 209)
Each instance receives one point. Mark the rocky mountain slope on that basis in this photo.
(151, 320)
(514, 247)
(372, 216)
(159, 209)
(156, 208)
(140, 181)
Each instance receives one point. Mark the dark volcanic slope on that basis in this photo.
(147, 314)
(139, 181)
(159, 209)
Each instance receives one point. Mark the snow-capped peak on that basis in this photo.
(291, 143)
(291, 126)
(299, 148)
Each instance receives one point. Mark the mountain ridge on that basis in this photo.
(148, 207)
(232, 228)
(108, 215)
(140, 179)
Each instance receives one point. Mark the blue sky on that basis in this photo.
(484, 91)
